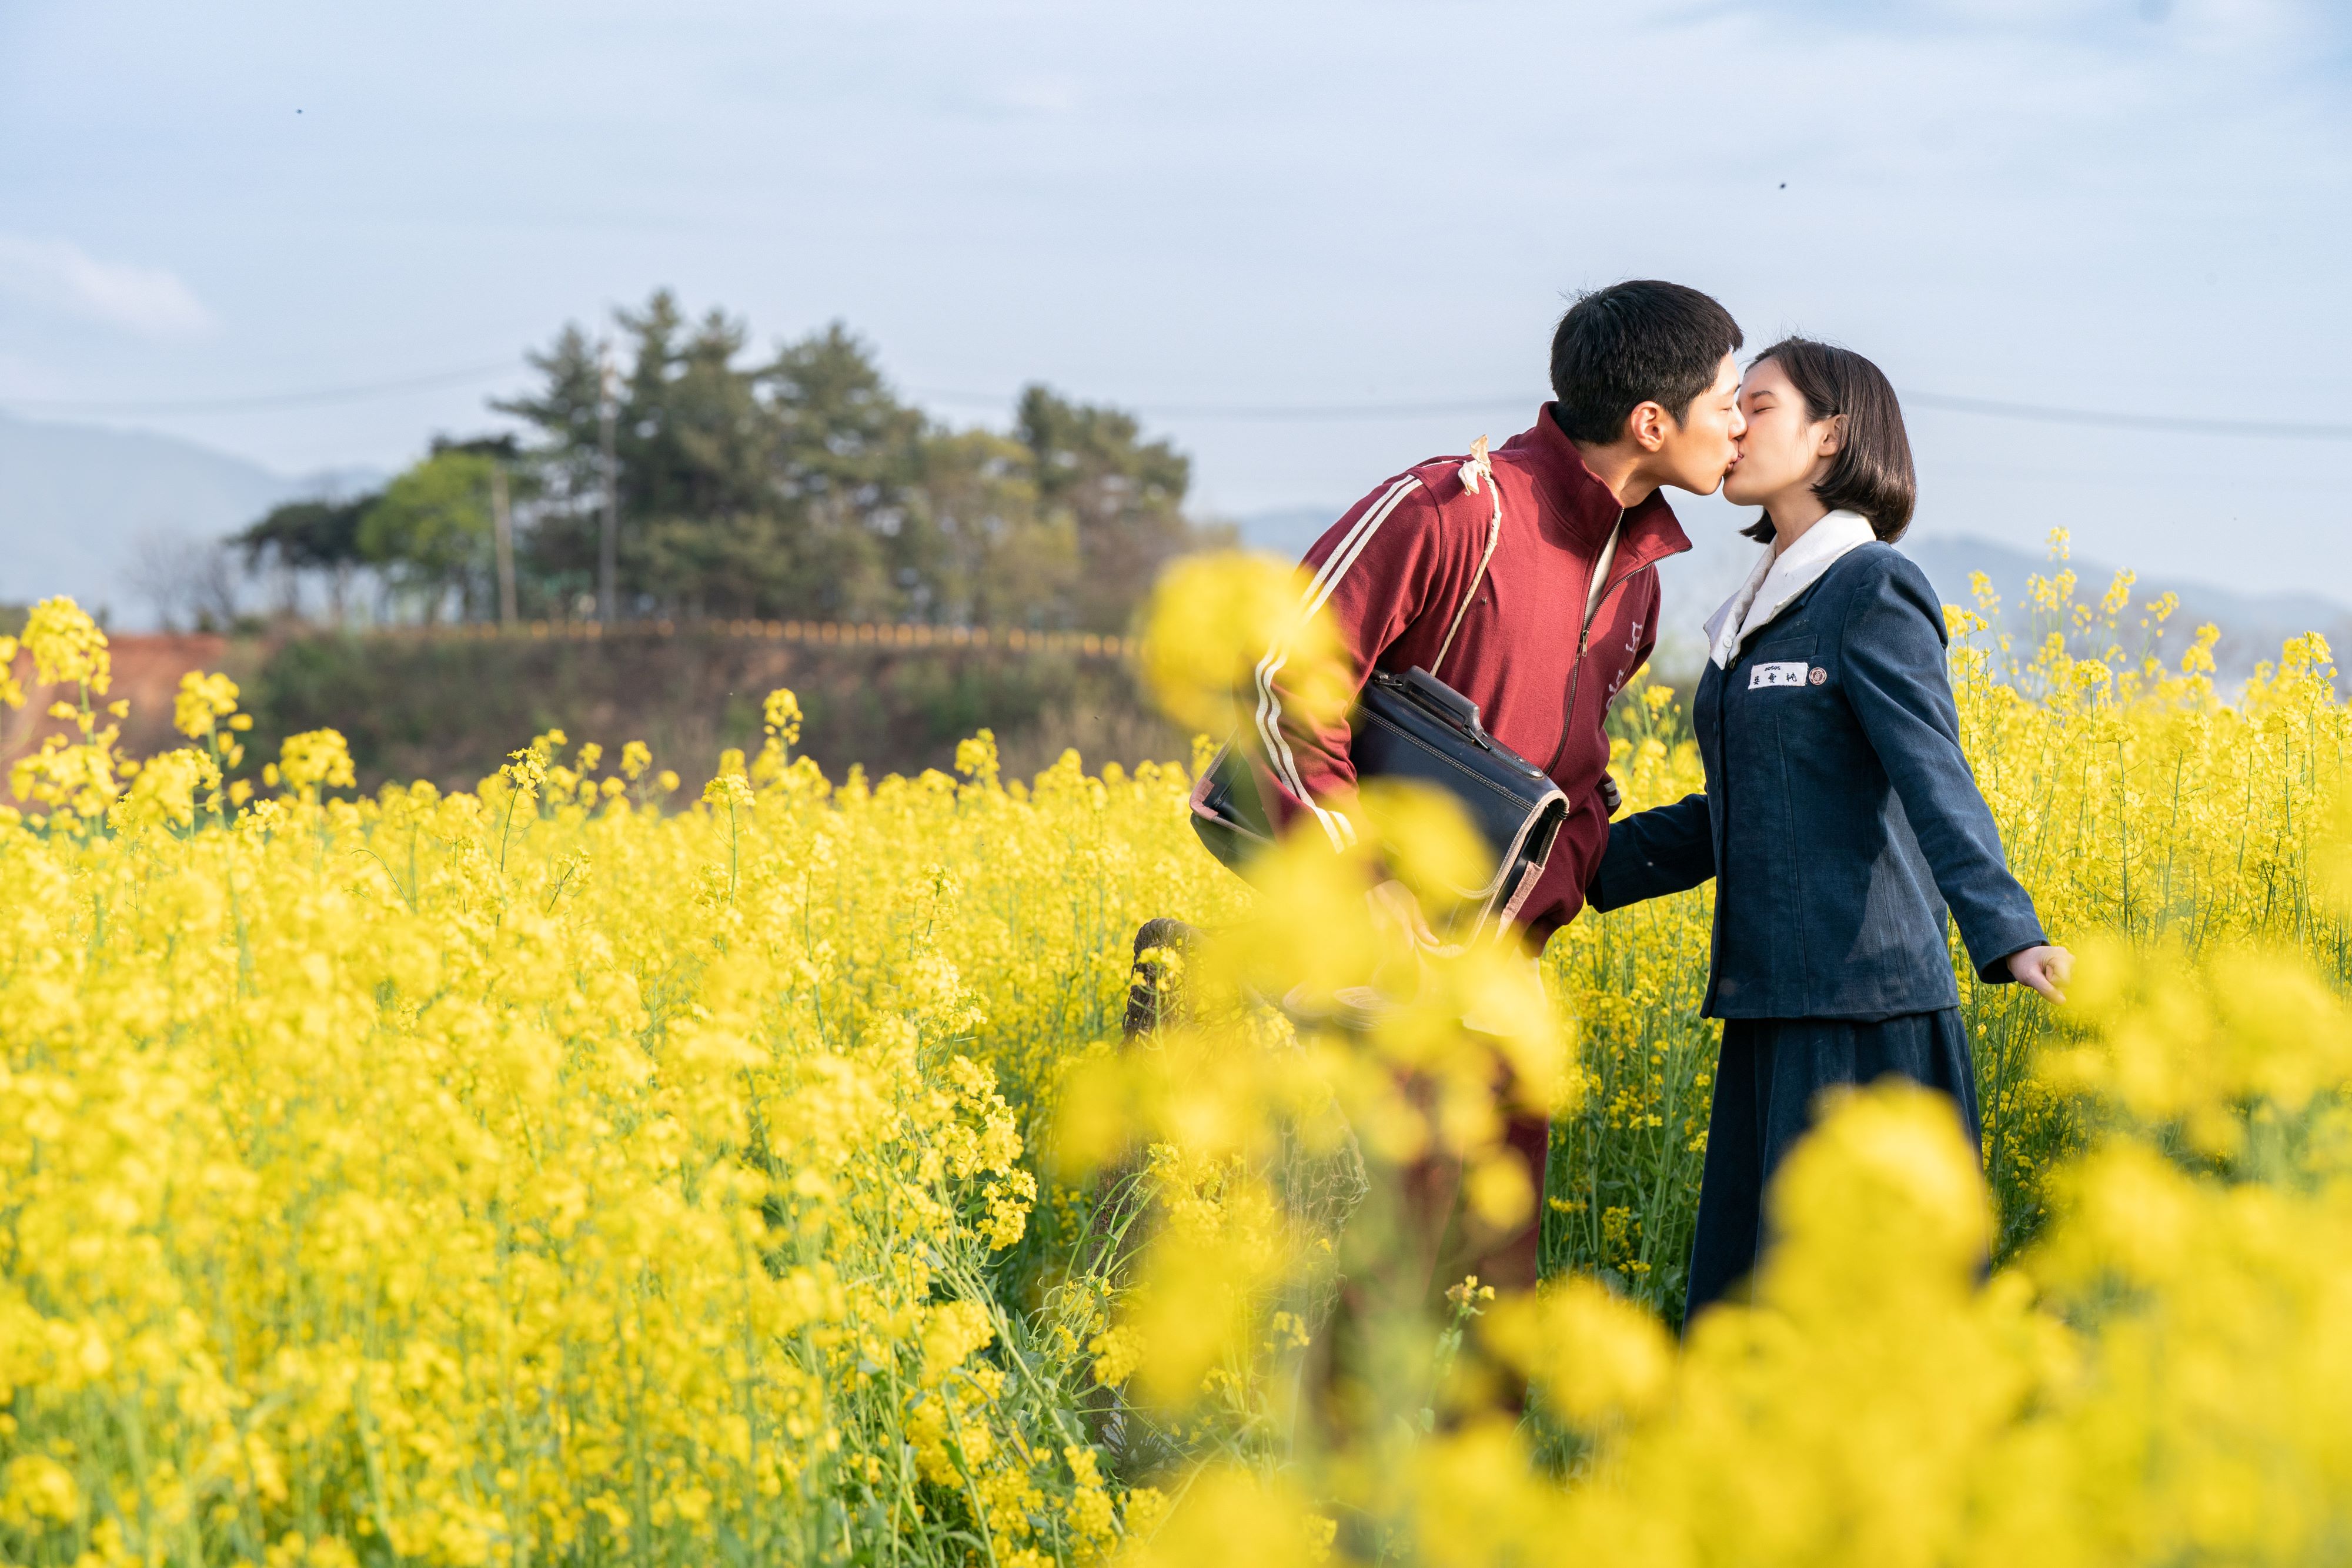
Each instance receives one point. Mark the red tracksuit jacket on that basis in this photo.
(1391, 574)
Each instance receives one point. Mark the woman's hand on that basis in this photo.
(2045, 968)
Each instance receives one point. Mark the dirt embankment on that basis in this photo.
(146, 675)
(449, 707)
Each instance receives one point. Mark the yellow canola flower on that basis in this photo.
(518, 1201)
(543, 1172)
(68, 646)
(202, 702)
(781, 714)
(170, 789)
(1216, 623)
(1229, 1516)
(1596, 1356)
(36, 1491)
(316, 759)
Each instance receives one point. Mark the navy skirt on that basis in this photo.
(1772, 1075)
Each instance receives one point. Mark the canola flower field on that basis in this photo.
(595, 1169)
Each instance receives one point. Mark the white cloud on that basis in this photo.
(149, 300)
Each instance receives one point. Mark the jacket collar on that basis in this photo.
(1775, 581)
(1580, 510)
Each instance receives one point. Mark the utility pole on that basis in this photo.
(502, 532)
(608, 545)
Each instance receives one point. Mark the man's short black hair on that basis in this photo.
(1632, 343)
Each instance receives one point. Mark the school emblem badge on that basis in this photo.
(1818, 676)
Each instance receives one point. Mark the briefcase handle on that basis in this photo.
(1448, 705)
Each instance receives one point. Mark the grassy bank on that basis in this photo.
(450, 710)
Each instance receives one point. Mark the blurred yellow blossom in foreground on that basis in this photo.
(566, 1170)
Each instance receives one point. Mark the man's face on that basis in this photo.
(1694, 453)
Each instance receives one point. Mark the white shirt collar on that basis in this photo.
(1776, 582)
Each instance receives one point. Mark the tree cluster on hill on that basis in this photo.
(798, 486)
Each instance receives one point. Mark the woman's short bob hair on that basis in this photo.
(1872, 472)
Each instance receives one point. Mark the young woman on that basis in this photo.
(1840, 818)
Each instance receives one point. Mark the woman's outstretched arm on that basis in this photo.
(1667, 848)
(1894, 673)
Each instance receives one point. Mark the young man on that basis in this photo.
(1565, 610)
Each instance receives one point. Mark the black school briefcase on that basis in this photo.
(1417, 729)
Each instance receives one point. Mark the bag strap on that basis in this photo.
(1480, 468)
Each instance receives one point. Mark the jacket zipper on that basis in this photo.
(1717, 843)
(1583, 642)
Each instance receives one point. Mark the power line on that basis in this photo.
(1336, 411)
(359, 393)
(1993, 408)
(1989, 408)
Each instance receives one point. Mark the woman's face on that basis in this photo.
(1784, 451)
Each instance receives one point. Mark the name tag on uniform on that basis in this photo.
(1789, 674)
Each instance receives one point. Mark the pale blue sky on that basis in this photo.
(2141, 204)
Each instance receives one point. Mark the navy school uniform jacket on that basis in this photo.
(1840, 818)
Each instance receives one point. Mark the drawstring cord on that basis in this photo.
(1479, 469)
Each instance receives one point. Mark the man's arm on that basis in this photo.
(1368, 578)
(1556, 896)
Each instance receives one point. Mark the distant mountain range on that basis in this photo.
(2253, 625)
(83, 506)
